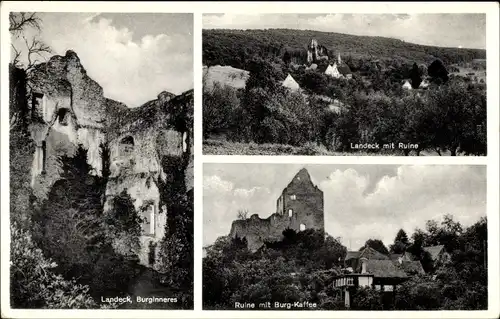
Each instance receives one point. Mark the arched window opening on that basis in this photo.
(184, 142)
(290, 213)
(126, 146)
(302, 227)
(63, 116)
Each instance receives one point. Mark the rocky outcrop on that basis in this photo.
(69, 110)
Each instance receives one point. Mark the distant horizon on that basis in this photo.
(446, 30)
(351, 34)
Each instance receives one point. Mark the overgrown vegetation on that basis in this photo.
(447, 117)
(302, 267)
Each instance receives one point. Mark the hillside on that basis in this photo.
(235, 47)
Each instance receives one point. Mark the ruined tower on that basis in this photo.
(299, 207)
(316, 52)
(302, 202)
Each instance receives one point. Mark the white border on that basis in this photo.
(492, 160)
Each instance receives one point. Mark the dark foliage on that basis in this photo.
(236, 47)
(176, 248)
(437, 71)
(300, 267)
(71, 230)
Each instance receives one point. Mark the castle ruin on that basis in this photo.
(68, 110)
(299, 207)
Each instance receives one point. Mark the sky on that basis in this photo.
(448, 30)
(133, 56)
(361, 201)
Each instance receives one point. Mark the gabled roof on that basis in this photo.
(370, 253)
(384, 269)
(412, 267)
(290, 83)
(434, 251)
(352, 255)
(344, 69)
(395, 256)
(406, 256)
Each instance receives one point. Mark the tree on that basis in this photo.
(415, 76)
(71, 229)
(451, 117)
(438, 72)
(376, 244)
(175, 255)
(401, 242)
(264, 74)
(20, 22)
(34, 284)
(242, 214)
(220, 105)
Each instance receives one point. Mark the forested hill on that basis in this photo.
(235, 47)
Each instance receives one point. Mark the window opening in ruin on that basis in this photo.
(184, 142)
(293, 197)
(302, 227)
(152, 220)
(290, 213)
(148, 221)
(126, 146)
(36, 101)
(44, 156)
(62, 116)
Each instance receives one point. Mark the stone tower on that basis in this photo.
(299, 207)
(302, 203)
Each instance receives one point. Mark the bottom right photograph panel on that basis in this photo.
(344, 237)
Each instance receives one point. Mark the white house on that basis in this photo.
(407, 85)
(333, 71)
(290, 83)
(424, 84)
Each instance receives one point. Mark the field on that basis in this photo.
(227, 75)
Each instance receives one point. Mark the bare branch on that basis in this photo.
(19, 21)
(17, 54)
(35, 48)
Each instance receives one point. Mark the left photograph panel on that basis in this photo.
(101, 160)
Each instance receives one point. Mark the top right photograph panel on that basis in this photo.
(344, 84)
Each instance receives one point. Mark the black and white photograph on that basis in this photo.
(344, 84)
(344, 237)
(101, 160)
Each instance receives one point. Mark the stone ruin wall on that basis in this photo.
(62, 84)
